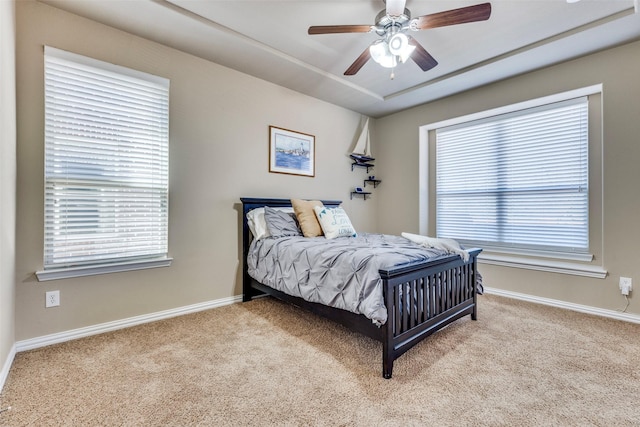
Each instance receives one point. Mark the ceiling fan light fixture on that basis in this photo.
(380, 53)
(399, 46)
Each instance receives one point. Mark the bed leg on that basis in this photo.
(387, 360)
(388, 353)
(474, 313)
(247, 290)
(387, 370)
(474, 279)
(246, 293)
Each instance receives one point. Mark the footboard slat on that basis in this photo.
(425, 299)
(414, 303)
(456, 285)
(442, 292)
(432, 295)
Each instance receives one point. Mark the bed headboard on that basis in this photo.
(248, 204)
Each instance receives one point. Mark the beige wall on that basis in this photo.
(219, 121)
(618, 70)
(7, 181)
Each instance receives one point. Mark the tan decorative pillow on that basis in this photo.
(307, 217)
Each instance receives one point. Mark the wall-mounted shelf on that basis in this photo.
(361, 165)
(364, 194)
(375, 182)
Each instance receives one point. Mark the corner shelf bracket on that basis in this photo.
(364, 194)
(361, 165)
(375, 182)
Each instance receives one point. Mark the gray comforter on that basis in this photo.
(341, 273)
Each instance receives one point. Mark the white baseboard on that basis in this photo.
(73, 334)
(7, 366)
(613, 314)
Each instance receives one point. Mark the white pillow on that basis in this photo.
(334, 222)
(258, 225)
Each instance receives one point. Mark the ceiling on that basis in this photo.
(268, 39)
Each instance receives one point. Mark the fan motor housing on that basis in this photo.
(385, 22)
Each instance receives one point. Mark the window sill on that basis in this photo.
(66, 273)
(550, 266)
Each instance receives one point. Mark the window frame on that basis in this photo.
(560, 262)
(115, 264)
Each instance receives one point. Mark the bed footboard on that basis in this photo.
(423, 298)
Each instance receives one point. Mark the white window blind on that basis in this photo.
(106, 163)
(517, 180)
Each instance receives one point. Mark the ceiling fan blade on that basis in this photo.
(479, 12)
(421, 57)
(358, 63)
(336, 29)
(395, 7)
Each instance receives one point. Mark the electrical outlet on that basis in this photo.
(626, 285)
(52, 299)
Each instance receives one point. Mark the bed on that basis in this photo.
(419, 297)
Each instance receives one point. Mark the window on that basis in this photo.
(106, 167)
(525, 175)
(522, 181)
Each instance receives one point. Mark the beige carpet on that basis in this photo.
(266, 363)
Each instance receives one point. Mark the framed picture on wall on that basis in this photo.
(291, 152)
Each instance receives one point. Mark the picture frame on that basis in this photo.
(291, 152)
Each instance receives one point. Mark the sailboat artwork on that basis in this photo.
(362, 151)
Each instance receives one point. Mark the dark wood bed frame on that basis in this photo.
(434, 293)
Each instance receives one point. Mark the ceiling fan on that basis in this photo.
(392, 25)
